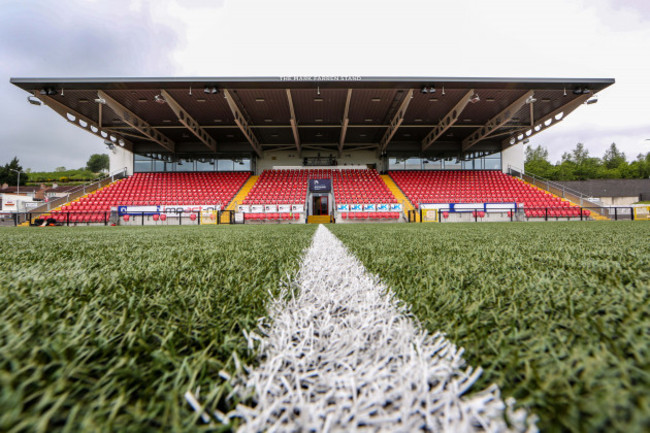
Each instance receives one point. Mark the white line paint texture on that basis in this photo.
(339, 352)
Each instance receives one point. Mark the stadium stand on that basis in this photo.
(457, 186)
(152, 189)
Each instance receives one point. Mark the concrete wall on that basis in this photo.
(618, 201)
(120, 158)
(293, 159)
(513, 156)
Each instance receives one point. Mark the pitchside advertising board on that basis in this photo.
(282, 208)
(167, 210)
(320, 185)
(468, 207)
(393, 207)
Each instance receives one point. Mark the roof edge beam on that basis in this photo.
(447, 121)
(242, 123)
(546, 122)
(496, 122)
(396, 122)
(346, 121)
(294, 123)
(136, 122)
(189, 122)
(79, 120)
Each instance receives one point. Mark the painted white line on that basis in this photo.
(345, 355)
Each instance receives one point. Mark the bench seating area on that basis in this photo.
(461, 186)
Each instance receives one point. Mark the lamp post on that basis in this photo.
(18, 183)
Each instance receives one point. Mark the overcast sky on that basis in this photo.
(459, 38)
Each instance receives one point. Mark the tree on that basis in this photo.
(614, 158)
(579, 154)
(98, 162)
(8, 173)
(537, 161)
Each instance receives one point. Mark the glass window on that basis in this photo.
(207, 165)
(492, 164)
(452, 164)
(183, 165)
(243, 165)
(225, 165)
(395, 164)
(158, 165)
(431, 165)
(141, 164)
(413, 164)
(468, 165)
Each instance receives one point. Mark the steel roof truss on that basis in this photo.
(84, 122)
(189, 122)
(294, 123)
(396, 122)
(346, 121)
(242, 123)
(447, 121)
(546, 121)
(496, 122)
(136, 122)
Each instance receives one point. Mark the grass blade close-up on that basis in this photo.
(557, 314)
(106, 329)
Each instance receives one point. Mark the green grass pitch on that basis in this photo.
(558, 314)
(104, 329)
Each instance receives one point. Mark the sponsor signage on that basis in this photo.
(165, 209)
(342, 207)
(356, 207)
(284, 208)
(257, 208)
(243, 208)
(320, 185)
(270, 208)
(299, 208)
(369, 207)
(383, 207)
(396, 207)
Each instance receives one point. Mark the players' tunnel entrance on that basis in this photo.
(320, 205)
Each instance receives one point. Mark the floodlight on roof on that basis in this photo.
(159, 99)
(592, 100)
(100, 100)
(428, 89)
(33, 100)
(581, 91)
(475, 98)
(210, 89)
(531, 100)
(49, 91)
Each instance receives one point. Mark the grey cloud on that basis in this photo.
(70, 39)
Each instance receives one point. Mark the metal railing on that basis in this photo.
(81, 191)
(556, 188)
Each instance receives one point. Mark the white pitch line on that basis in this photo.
(346, 355)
